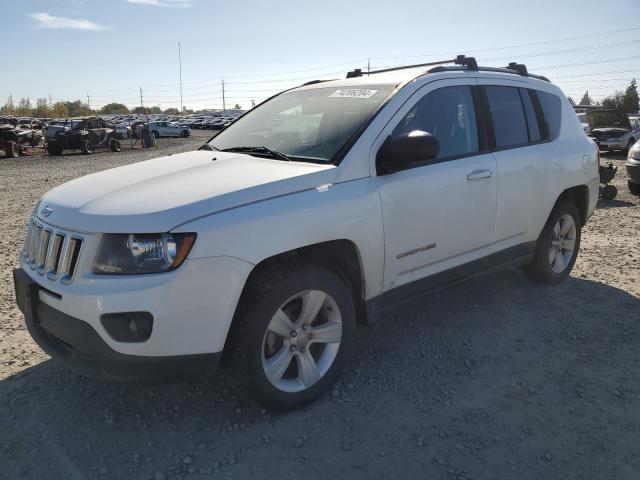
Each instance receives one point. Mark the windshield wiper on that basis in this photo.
(260, 151)
(206, 146)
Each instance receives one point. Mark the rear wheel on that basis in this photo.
(86, 147)
(293, 335)
(185, 133)
(557, 247)
(634, 188)
(114, 145)
(11, 149)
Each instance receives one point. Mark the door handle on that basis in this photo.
(479, 175)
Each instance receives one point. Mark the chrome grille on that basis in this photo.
(52, 252)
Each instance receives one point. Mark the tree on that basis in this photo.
(24, 107)
(571, 101)
(172, 111)
(78, 109)
(9, 107)
(155, 109)
(586, 99)
(613, 101)
(141, 111)
(42, 108)
(237, 107)
(117, 108)
(630, 102)
(60, 110)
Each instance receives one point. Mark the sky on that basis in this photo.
(110, 49)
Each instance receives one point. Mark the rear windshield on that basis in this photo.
(307, 125)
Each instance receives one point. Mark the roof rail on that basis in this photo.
(461, 63)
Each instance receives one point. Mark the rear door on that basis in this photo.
(525, 160)
(441, 213)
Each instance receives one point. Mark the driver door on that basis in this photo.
(440, 213)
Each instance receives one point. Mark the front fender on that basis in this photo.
(255, 232)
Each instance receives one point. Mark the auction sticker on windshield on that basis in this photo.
(353, 93)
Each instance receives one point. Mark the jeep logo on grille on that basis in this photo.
(46, 211)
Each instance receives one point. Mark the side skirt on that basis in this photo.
(516, 256)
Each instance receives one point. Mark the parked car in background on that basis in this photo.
(86, 135)
(584, 121)
(18, 133)
(633, 168)
(166, 129)
(612, 129)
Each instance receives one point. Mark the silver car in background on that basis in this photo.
(167, 129)
(613, 130)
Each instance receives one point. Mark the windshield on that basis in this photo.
(307, 125)
(608, 119)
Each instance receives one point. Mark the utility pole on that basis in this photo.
(50, 102)
(180, 66)
(141, 103)
(224, 105)
(89, 102)
(368, 65)
(253, 103)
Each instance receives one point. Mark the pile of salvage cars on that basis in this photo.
(16, 134)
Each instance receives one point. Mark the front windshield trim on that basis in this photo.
(339, 155)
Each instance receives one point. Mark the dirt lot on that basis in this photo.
(493, 378)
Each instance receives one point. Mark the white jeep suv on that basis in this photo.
(317, 210)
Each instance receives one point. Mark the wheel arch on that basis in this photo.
(579, 196)
(340, 256)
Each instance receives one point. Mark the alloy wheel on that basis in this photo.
(563, 243)
(302, 341)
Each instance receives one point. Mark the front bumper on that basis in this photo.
(78, 346)
(633, 170)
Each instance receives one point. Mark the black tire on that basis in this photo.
(634, 188)
(54, 148)
(155, 134)
(185, 133)
(114, 145)
(540, 269)
(86, 147)
(11, 149)
(608, 192)
(264, 295)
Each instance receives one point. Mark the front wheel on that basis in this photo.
(293, 335)
(185, 133)
(11, 149)
(114, 145)
(557, 247)
(86, 147)
(634, 188)
(155, 134)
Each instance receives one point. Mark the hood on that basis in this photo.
(158, 195)
(610, 131)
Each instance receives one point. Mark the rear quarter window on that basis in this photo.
(551, 109)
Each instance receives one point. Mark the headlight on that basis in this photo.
(634, 152)
(128, 254)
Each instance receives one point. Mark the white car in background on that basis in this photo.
(166, 129)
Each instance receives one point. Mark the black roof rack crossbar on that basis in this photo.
(461, 63)
(512, 71)
(469, 62)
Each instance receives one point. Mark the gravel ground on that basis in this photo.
(493, 378)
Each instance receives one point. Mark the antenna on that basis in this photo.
(180, 67)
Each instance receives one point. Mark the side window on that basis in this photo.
(550, 104)
(509, 124)
(532, 119)
(448, 114)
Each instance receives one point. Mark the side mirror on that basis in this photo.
(399, 152)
